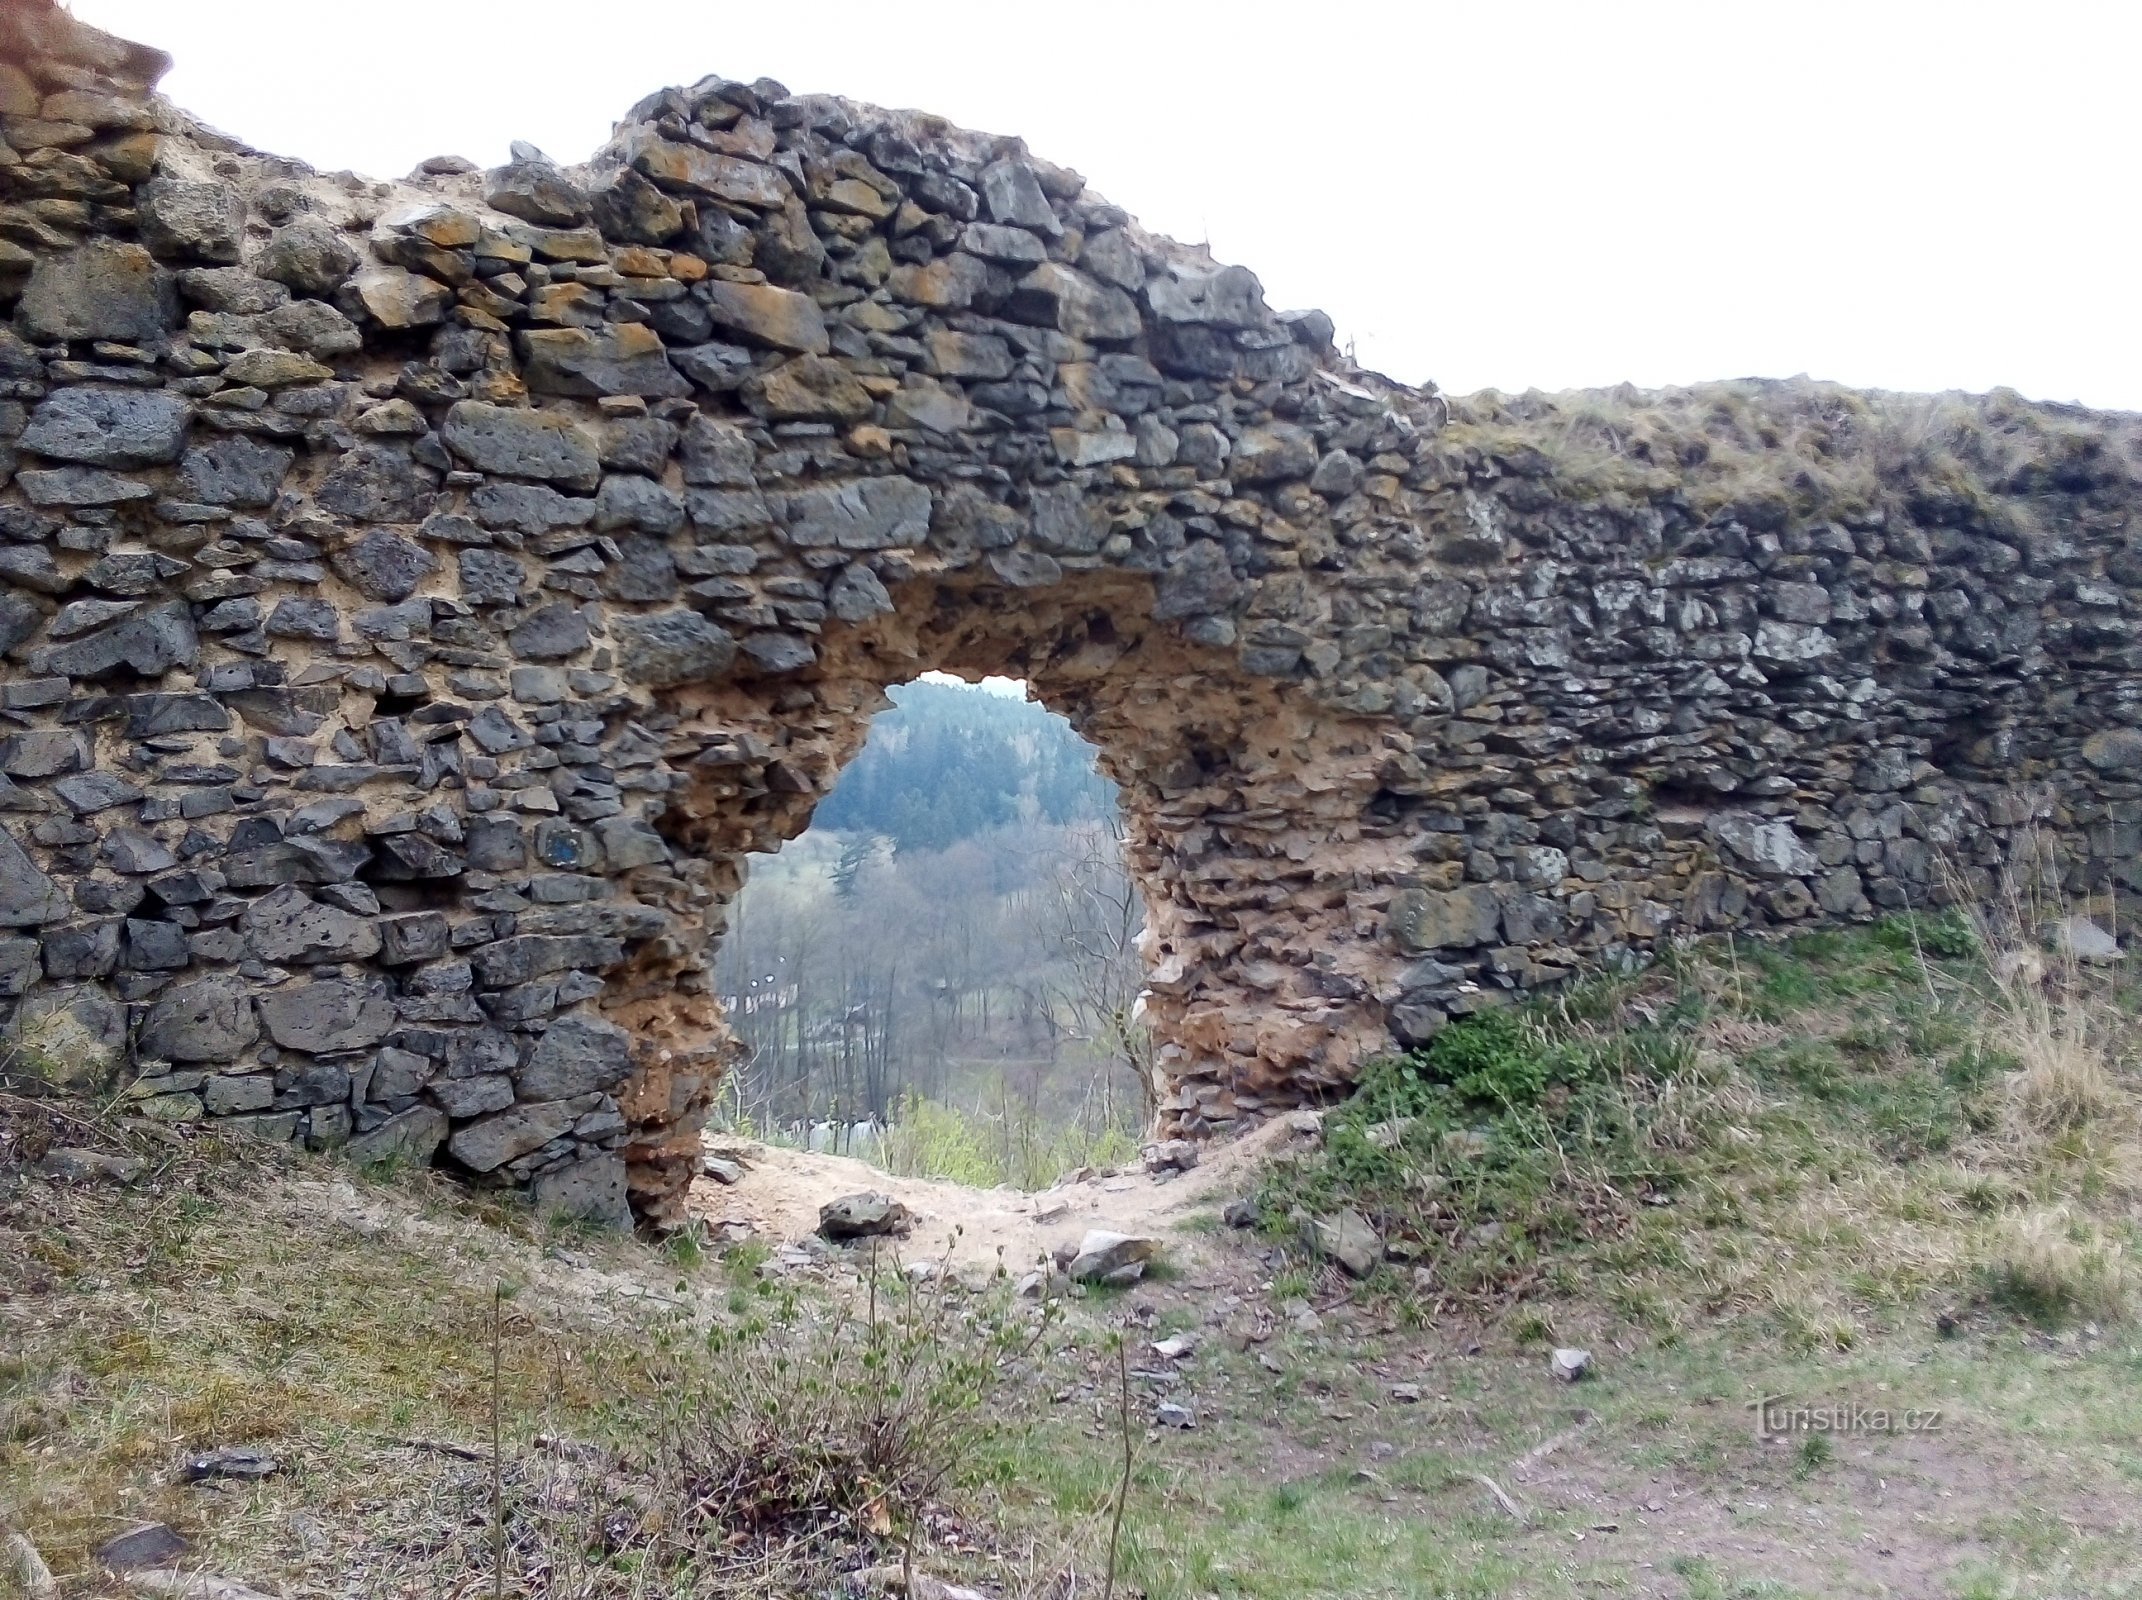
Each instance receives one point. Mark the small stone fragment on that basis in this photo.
(1102, 1254)
(860, 1216)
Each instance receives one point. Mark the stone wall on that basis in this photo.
(417, 598)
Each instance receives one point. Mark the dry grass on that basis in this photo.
(1824, 1137)
(1766, 450)
(672, 1424)
(2056, 1266)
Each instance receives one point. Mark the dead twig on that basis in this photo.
(498, 1470)
(1115, 1525)
(30, 1569)
(1501, 1498)
(1548, 1446)
(442, 1447)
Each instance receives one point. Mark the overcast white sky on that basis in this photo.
(1481, 192)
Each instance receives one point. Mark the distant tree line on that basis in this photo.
(948, 762)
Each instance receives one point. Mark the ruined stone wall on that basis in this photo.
(417, 598)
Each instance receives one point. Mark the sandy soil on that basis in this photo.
(782, 1189)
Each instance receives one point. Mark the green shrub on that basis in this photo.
(1510, 1135)
(1946, 935)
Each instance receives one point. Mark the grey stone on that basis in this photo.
(472, 1097)
(858, 594)
(412, 1136)
(1012, 193)
(1348, 1239)
(307, 255)
(287, 925)
(644, 572)
(525, 956)
(994, 241)
(312, 326)
(297, 618)
(626, 358)
(529, 508)
(32, 567)
(522, 443)
(778, 319)
(90, 1166)
(326, 1015)
(863, 1216)
(496, 733)
(79, 486)
(109, 427)
(2081, 939)
(233, 470)
(490, 577)
(230, 1096)
(1569, 1365)
(632, 209)
(630, 502)
(415, 936)
(2115, 750)
(398, 1073)
(550, 633)
(1422, 920)
(87, 793)
(666, 648)
(384, 565)
(1058, 297)
(101, 290)
(864, 514)
(155, 946)
(150, 1545)
(130, 850)
(1273, 454)
(186, 220)
(628, 842)
(378, 483)
(148, 643)
(42, 754)
(718, 511)
(715, 367)
(209, 1019)
(717, 454)
(1101, 1254)
(592, 1189)
(1026, 569)
(576, 1056)
(488, 1145)
(1792, 643)
(244, 1466)
(82, 949)
(778, 652)
(1199, 582)
(1771, 849)
(536, 192)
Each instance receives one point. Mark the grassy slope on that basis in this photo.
(1838, 1131)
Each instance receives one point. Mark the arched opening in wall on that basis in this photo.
(941, 976)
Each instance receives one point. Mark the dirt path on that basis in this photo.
(782, 1189)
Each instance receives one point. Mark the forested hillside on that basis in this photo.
(951, 945)
(949, 761)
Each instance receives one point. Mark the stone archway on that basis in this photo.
(416, 598)
(1244, 866)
